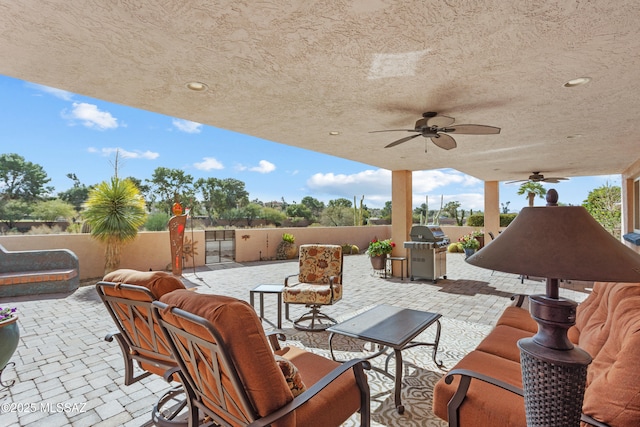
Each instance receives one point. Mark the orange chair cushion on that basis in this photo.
(333, 405)
(613, 378)
(158, 282)
(246, 343)
(485, 405)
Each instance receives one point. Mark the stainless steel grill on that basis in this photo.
(428, 252)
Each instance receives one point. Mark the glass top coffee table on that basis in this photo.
(390, 327)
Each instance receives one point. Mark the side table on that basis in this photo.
(270, 289)
(389, 262)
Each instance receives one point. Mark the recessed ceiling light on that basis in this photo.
(577, 82)
(576, 135)
(197, 86)
(334, 133)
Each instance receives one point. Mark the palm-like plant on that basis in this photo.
(114, 210)
(532, 189)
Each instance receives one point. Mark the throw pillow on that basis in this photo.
(291, 375)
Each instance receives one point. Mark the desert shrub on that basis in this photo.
(455, 247)
(506, 219)
(476, 220)
(349, 249)
(157, 221)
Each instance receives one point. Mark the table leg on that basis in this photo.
(279, 311)
(251, 293)
(398, 386)
(435, 345)
(261, 305)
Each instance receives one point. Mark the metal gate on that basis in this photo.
(220, 246)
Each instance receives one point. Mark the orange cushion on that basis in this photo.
(518, 317)
(485, 405)
(333, 405)
(503, 342)
(158, 282)
(613, 378)
(247, 345)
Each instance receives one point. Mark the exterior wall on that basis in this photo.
(150, 250)
(255, 244)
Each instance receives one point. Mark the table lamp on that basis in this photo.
(556, 242)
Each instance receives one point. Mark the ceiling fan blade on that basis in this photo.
(555, 179)
(473, 129)
(439, 121)
(393, 130)
(516, 181)
(401, 140)
(444, 141)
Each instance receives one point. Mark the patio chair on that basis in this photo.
(236, 378)
(318, 283)
(127, 295)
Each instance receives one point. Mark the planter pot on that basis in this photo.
(469, 251)
(9, 337)
(378, 262)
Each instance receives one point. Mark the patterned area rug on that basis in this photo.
(420, 372)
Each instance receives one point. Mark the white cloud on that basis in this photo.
(375, 185)
(91, 116)
(125, 154)
(187, 126)
(208, 163)
(58, 93)
(263, 167)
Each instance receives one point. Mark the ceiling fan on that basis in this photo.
(436, 127)
(538, 177)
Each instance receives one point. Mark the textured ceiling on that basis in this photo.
(293, 71)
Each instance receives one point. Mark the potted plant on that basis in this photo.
(378, 251)
(469, 243)
(287, 249)
(9, 336)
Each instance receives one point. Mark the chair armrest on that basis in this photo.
(286, 279)
(169, 373)
(274, 338)
(331, 280)
(358, 366)
(519, 299)
(465, 380)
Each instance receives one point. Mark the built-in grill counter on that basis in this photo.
(427, 252)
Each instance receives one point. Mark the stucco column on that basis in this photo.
(491, 209)
(401, 212)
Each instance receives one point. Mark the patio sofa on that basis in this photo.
(38, 272)
(607, 327)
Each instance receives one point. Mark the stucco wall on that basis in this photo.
(150, 250)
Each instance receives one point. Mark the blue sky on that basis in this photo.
(69, 133)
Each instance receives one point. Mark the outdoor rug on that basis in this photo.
(420, 372)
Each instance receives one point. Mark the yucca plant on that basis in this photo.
(114, 210)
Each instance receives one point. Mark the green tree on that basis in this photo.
(451, 209)
(314, 205)
(604, 205)
(167, 185)
(20, 179)
(50, 210)
(251, 212)
(115, 210)
(76, 195)
(12, 211)
(532, 189)
(385, 212)
(297, 210)
(221, 195)
(274, 216)
(337, 216)
(341, 202)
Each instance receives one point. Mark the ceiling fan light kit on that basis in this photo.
(437, 128)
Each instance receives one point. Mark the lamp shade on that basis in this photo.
(560, 242)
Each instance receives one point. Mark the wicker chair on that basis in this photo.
(127, 295)
(318, 283)
(237, 377)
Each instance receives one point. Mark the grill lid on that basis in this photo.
(427, 233)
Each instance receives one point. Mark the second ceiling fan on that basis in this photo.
(438, 128)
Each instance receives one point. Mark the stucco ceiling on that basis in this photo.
(292, 71)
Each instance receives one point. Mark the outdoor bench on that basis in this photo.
(485, 387)
(38, 272)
